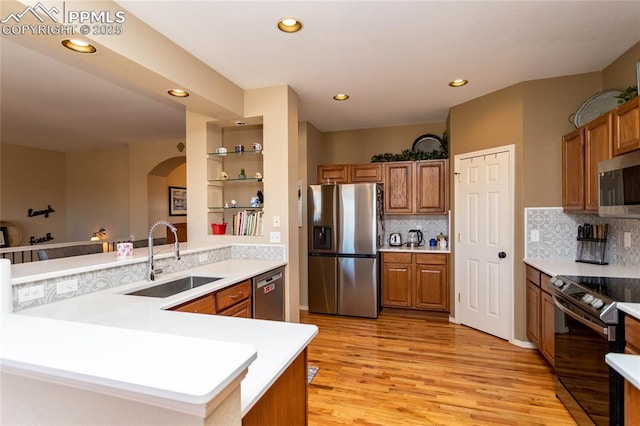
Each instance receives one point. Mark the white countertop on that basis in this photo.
(277, 344)
(632, 309)
(570, 267)
(627, 365)
(420, 249)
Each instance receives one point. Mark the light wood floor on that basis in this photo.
(403, 371)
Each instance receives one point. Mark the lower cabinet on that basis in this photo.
(540, 313)
(416, 281)
(631, 393)
(234, 301)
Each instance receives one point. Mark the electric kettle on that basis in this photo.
(414, 238)
(395, 239)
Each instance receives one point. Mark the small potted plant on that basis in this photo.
(242, 175)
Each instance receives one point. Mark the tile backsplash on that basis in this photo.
(558, 231)
(430, 225)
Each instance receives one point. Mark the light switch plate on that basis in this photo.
(68, 286)
(274, 237)
(535, 236)
(276, 221)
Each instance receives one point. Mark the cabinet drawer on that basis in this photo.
(396, 257)
(431, 259)
(545, 283)
(366, 172)
(241, 310)
(202, 305)
(232, 295)
(533, 275)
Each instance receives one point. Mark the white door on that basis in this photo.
(484, 240)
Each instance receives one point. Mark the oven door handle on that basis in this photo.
(603, 331)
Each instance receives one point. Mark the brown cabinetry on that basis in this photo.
(416, 281)
(626, 127)
(350, 173)
(540, 312)
(631, 393)
(416, 187)
(232, 301)
(582, 150)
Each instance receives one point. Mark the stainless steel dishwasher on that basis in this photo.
(268, 295)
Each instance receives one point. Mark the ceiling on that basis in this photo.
(394, 58)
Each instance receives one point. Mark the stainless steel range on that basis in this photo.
(588, 326)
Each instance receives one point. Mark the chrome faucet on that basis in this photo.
(176, 247)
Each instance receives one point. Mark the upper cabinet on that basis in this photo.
(626, 130)
(582, 150)
(350, 173)
(416, 187)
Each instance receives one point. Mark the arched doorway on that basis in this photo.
(171, 172)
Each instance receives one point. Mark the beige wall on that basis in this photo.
(358, 146)
(98, 193)
(310, 146)
(621, 73)
(33, 179)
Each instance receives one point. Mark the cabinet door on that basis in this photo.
(366, 172)
(598, 146)
(547, 327)
(573, 171)
(431, 182)
(432, 287)
(626, 135)
(398, 191)
(336, 173)
(533, 313)
(396, 285)
(241, 310)
(632, 335)
(631, 404)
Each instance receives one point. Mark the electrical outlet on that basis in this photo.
(535, 236)
(203, 258)
(276, 222)
(274, 237)
(30, 293)
(627, 240)
(66, 286)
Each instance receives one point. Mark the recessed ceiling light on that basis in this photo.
(458, 83)
(341, 97)
(178, 93)
(78, 46)
(289, 25)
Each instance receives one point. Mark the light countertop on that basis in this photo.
(628, 366)
(268, 346)
(570, 267)
(420, 249)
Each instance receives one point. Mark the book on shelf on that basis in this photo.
(248, 222)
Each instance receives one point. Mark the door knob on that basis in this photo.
(502, 255)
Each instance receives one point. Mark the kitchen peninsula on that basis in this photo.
(133, 356)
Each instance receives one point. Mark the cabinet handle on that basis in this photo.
(236, 296)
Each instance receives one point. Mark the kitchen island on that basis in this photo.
(188, 360)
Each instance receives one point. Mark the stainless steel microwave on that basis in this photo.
(619, 186)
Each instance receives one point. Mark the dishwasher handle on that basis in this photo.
(268, 280)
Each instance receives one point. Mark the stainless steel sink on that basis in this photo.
(174, 287)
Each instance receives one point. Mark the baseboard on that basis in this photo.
(304, 308)
(523, 344)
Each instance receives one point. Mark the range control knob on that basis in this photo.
(597, 303)
(587, 298)
(558, 282)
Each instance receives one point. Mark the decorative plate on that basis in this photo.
(427, 143)
(595, 106)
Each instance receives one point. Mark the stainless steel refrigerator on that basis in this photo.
(345, 230)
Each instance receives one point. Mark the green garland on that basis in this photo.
(409, 155)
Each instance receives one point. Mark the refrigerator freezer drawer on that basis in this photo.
(358, 287)
(323, 297)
